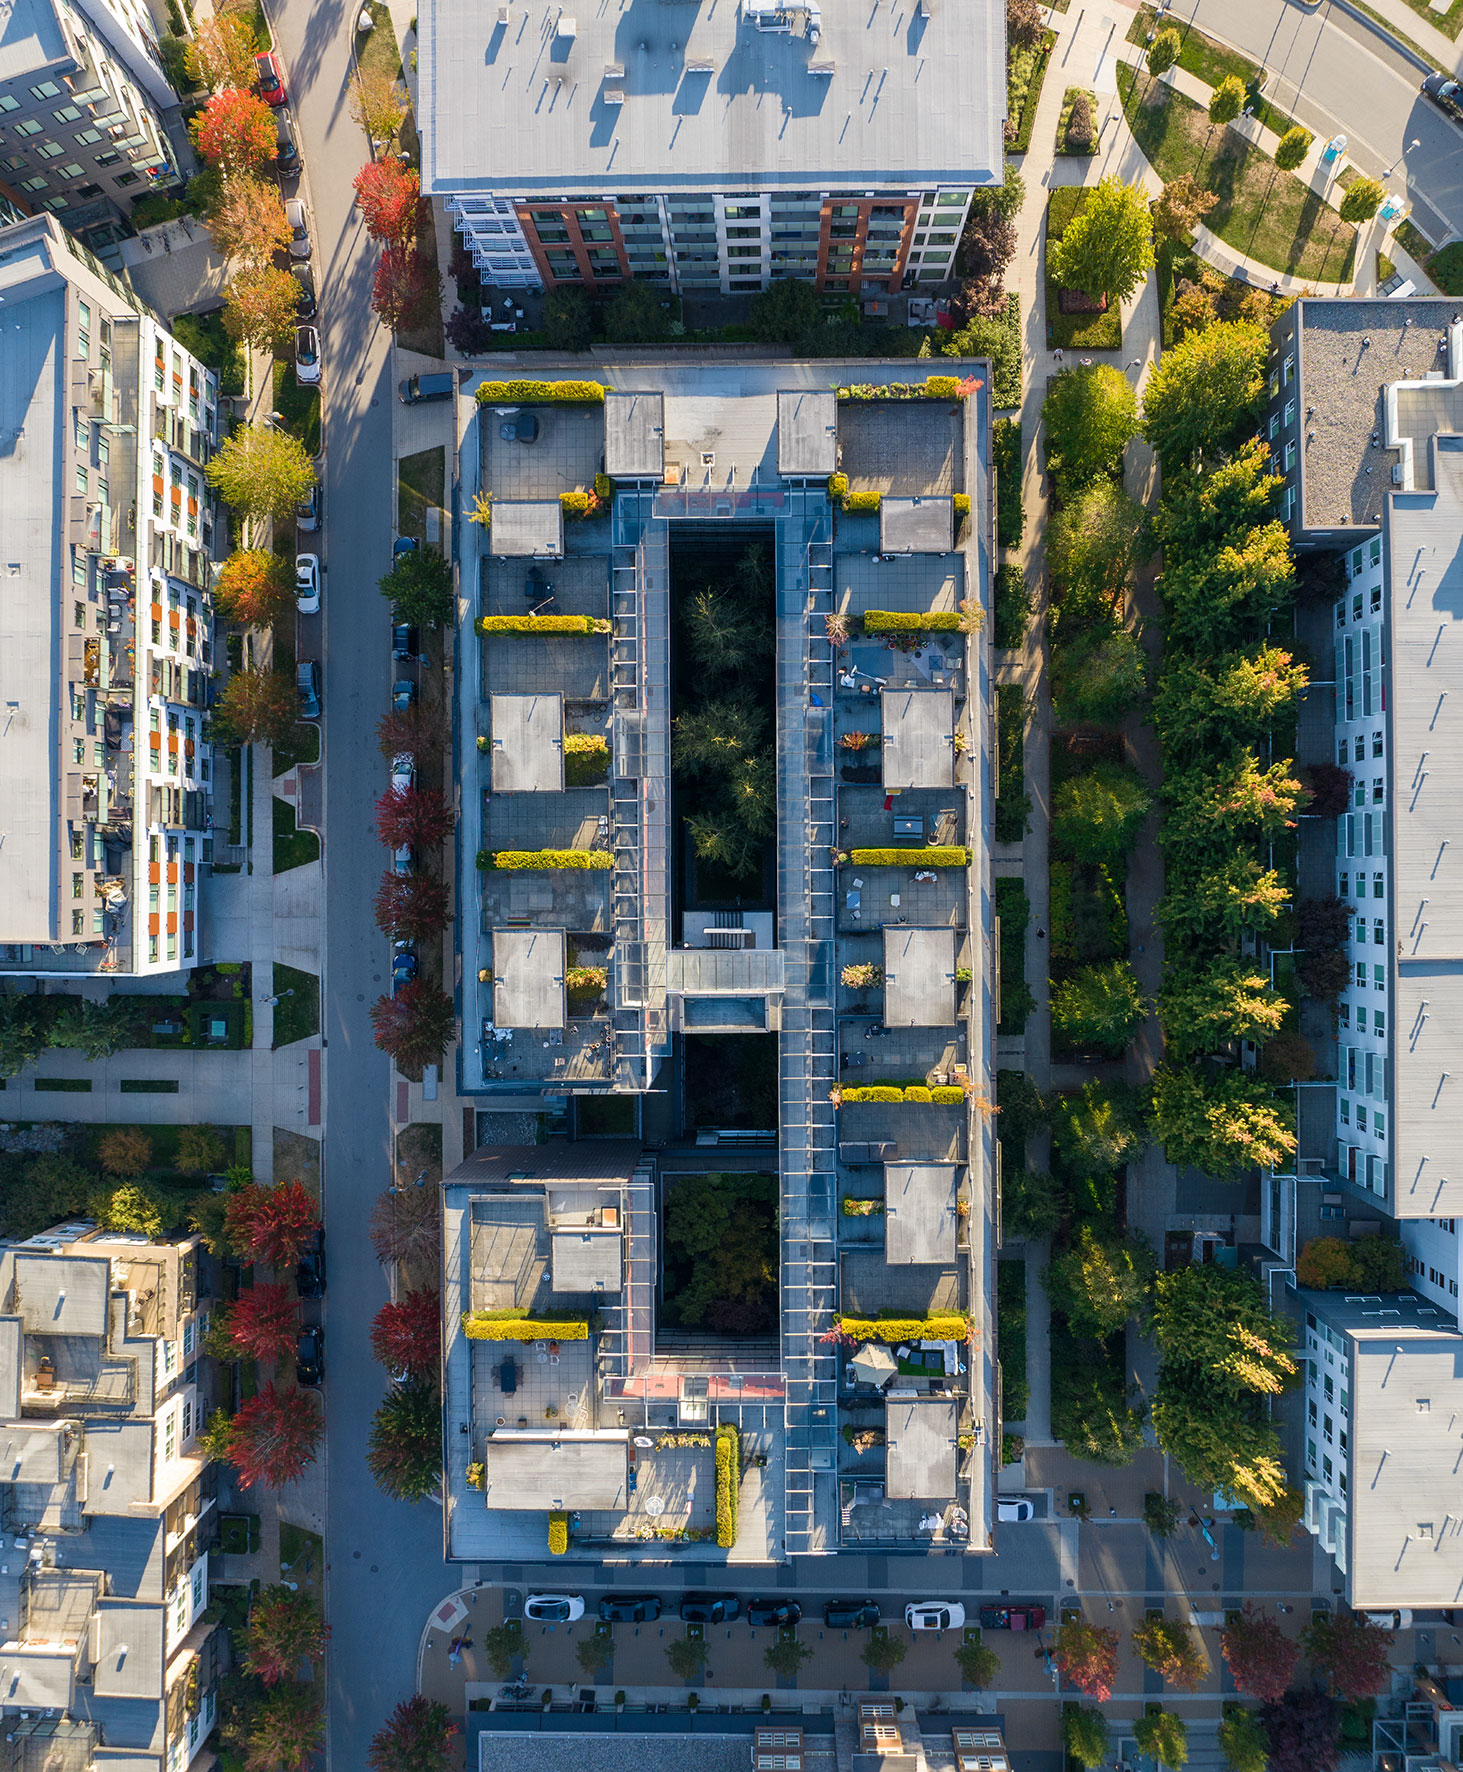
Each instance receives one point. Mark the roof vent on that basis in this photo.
(700, 64)
(505, 15)
(613, 95)
(566, 27)
(614, 71)
(822, 69)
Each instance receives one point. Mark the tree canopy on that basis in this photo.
(1222, 1124)
(1088, 414)
(1206, 391)
(1107, 247)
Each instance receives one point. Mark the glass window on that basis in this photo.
(46, 89)
(33, 184)
(66, 114)
(7, 103)
(28, 127)
(1378, 884)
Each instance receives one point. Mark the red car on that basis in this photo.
(270, 77)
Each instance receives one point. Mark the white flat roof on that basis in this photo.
(528, 742)
(920, 1220)
(578, 1467)
(920, 1446)
(527, 529)
(919, 738)
(923, 525)
(528, 978)
(919, 978)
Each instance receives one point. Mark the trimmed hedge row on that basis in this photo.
(933, 855)
(521, 861)
(919, 621)
(862, 503)
(933, 387)
(558, 1534)
(1013, 606)
(728, 1483)
(953, 1327)
(567, 393)
(511, 1325)
(941, 1094)
(1006, 454)
(542, 624)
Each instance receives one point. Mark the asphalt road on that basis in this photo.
(1336, 76)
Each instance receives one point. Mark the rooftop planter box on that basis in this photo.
(542, 624)
(513, 1325)
(522, 861)
(890, 1330)
(728, 1483)
(896, 621)
(940, 1094)
(563, 393)
(933, 387)
(932, 856)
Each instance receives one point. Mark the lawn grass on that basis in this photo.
(1267, 214)
(292, 847)
(298, 1016)
(1211, 61)
(302, 746)
(148, 1086)
(421, 481)
(1072, 94)
(1013, 803)
(1013, 908)
(1446, 268)
(298, 406)
(1450, 23)
(1080, 332)
(1413, 241)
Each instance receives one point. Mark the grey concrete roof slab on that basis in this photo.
(807, 432)
(62, 1294)
(129, 1650)
(923, 525)
(634, 435)
(920, 1221)
(920, 1445)
(527, 529)
(587, 1259)
(919, 738)
(528, 978)
(919, 978)
(573, 1468)
(528, 743)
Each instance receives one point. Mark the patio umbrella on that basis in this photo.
(874, 1364)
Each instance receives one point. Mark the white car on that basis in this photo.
(295, 214)
(1015, 1510)
(403, 772)
(307, 584)
(1398, 1619)
(935, 1615)
(307, 356)
(554, 1608)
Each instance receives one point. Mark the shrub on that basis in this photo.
(932, 856)
(568, 393)
(507, 861)
(541, 624)
(1295, 144)
(891, 1094)
(863, 977)
(1371, 1264)
(1013, 604)
(890, 1330)
(578, 505)
(1081, 133)
(558, 1534)
(919, 621)
(837, 485)
(1006, 460)
(728, 1483)
(586, 759)
(515, 1325)
(862, 503)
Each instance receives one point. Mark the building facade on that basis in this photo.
(82, 103)
(710, 152)
(107, 518)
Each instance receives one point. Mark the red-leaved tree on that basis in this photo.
(1258, 1654)
(284, 1629)
(417, 731)
(264, 1322)
(403, 290)
(274, 1437)
(416, 1737)
(390, 199)
(1087, 1657)
(1351, 1652)
(413, 906)
(274, 1224)
(415, 1026)
(406, 1334)
(1304, 1732)
(235, 131)
(418, 816)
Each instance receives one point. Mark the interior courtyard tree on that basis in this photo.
(1107, 247)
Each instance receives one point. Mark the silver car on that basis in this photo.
(295, 214)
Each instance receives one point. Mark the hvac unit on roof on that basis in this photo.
(613, 95)
(566, 27)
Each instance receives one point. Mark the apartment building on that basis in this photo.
(108, 1656)
(82, 102)
(711, 150)
(105, 771)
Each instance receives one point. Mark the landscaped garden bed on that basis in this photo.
(1083, 329)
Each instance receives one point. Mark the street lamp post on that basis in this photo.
(1414, 143)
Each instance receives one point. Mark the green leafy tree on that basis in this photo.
(1243, 1741)
(687, 1656)
(1181, 206)
(405, 1446)
(1096, 815)
(1229, 598)
(1217, 903)
(284, 1629)
(1098, 677)
(419, 589)
(1227, 100)
(1295, 144)
(1093, 544)
(1088, 415)
(257, 706)
(1362, 200)
(1208, 506)
(594, 1654)
(785, 311)
(1107, 247)
(1200, 706)
(1098, 1008)
(1206, 392)
(125, 1150)
(261, 472)
(1222, 1125)
(1161, 1514)
(96, 1030)
(979, 1666)
(725, 633)
(417, 1737)
(720, 1230)
(1163, 52)
(1216, 1318)
(1101, 1280)
(568, 320)
(883, 1652)
(634, 314)
(503, 1644)
(133, 1208)
(24, 1033)
(786, 1656)
(1084, 1728)
(1092, 1413)
(1033, 1202)
(1099, 1128)
(289, 1727)
(1207, 809)
(1171, 1649)
(1159, 1733)
(200, 1150)
(1211, 1002)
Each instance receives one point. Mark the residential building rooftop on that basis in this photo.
(919, 738)
(921, 1440)
(557, 1468)
(920, 1218)
(919, 977)
(528, 743)
(528, 978)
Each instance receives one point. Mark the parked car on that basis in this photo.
(1399, 1618)
(403, 964)
(403, 771)
(307, 584)
(307, 682)
(710, 1608)
(404, 859)
(406, 641)
(519, 427)
(307, 356)
(269, 77)
(1446, 93)
(850, 1614)
(403, 694)
(310, 1268)
(418, 388)
(305, 277)
(311, 508)
(404, 544)
(310, 1356)
(298, 217)
(286, 148)
(629, 1609)
(1015, 1510)
(934, 1615)
(1012, 1617)
(554, 1608)
(777, 1612)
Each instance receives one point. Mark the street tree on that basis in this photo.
(1221, 1124)
(415, 1026)
(503, 1644)
(235, 131)
(1351, 1652)
(406, 1228)
(1205, 392)
(687, 1656)
(1260, 1657)
(406, 1333)
(1227, 100)
(1243, 1741)
(256, 706)
(419, 589)
(1102, 1280)
(412, 907)
(1362, 200)
(1164, 1737)
(417, 731)
(1304, 1732)
(784, 1656)
(405, 289)
(377, 101)
(1088, 416)
(274, 1436)
(264, 1322)
(220, 53)
(1084, 1727)
(883, 1651)
(1024, 23)
(1172, 1649)
(1098, 676)
(1107, 247)
(284, 1629)
(389, 197)
(1181, 205)
(287, 1730)
(1163, 51)
(418, 1736)
(1086, 1656)
(413, 817)
(246, 222)
(274, 1222)
(979, 1665)
(404, 1448)
(1093, 545)
(261, 471)
(1295, 144)
(260, 307)
(1098, 1007)
(1214, 1001)
(254, 587)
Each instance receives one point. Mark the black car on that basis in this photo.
(710, 1608)
(406, 641)
(310, 1268)
(850, 1614)
(773, 1612)
(305, 277)
(629, 1609)
(1446, 94)
(310, 1356)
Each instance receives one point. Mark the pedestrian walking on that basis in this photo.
(1058, 353)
